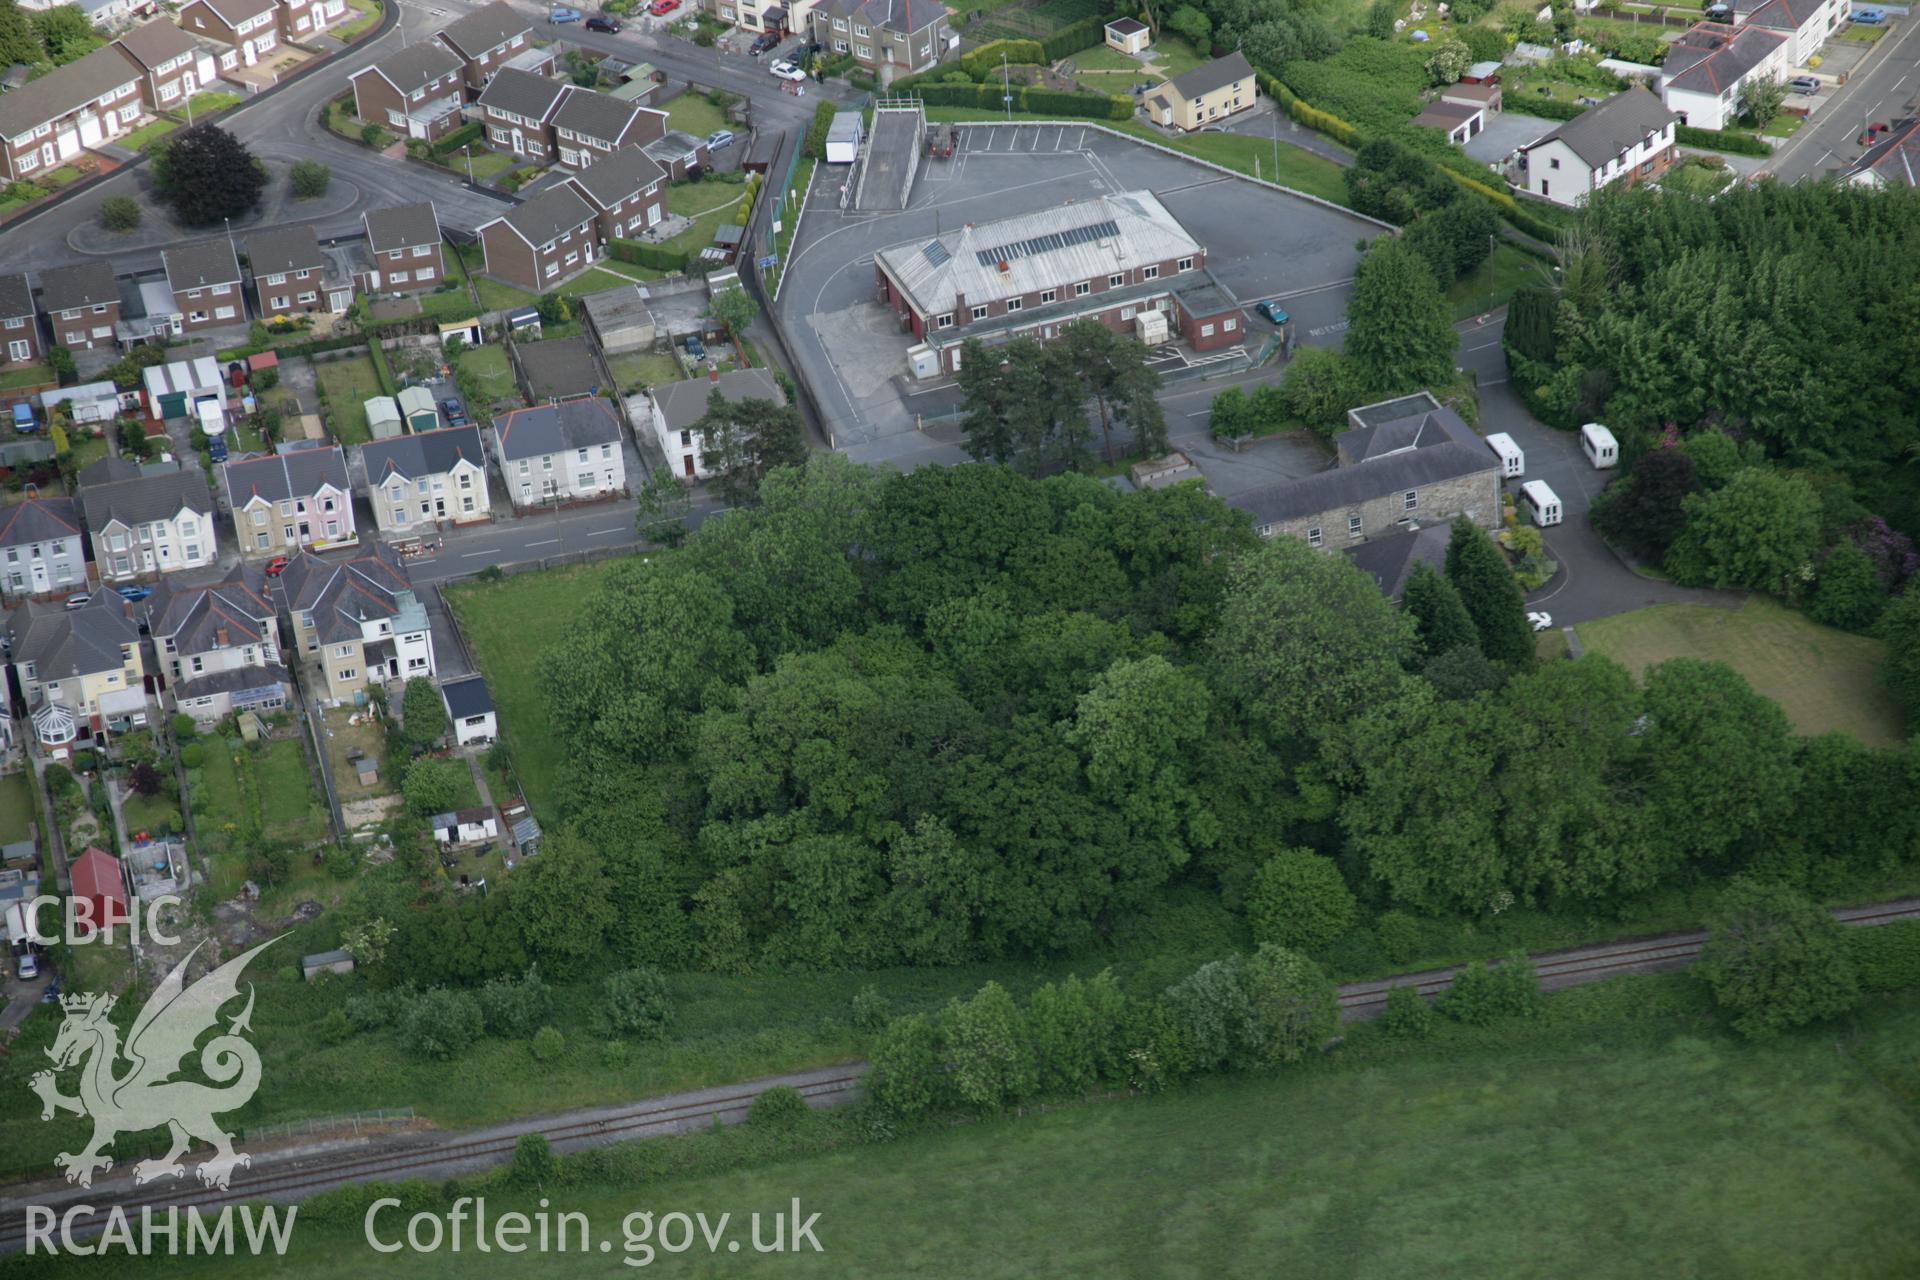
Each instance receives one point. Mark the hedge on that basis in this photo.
(465, 135)
(1312, 117)
(1740, 144)
(977, 62)
(655, 256)
(1545, 108)
(381, 369)
(816, 143)
(1040, 102)
(1886, 956)
(1074, 37)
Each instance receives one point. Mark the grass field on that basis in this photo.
(593, 280)
(18, 807)
(203, 105)
(369, 15)
(638, 369)
(1634, 1147)
(486, 164)
(692, 113)
(159, 127)
(509, 625)
(498, 295)
(1494, 281)
(708, 204)
(489, 365)
(234, 774)
(1696, 180)
(349, 381)
(1824, 679)
(1783, 126)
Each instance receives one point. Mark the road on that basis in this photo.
(293, 1173)
(1881, 93)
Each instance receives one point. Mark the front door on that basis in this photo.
(39, 576)
(187, 84)
(439, 508)
(687, 461)
(48, 156)
(519, 143)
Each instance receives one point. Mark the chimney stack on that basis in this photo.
(220, 637)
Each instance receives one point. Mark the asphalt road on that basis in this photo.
(1880, 93)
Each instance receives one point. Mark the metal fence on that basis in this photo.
(354, 1122)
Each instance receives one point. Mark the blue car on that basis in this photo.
(1870, 17)
(563, 15)
(134, 591)
(1273, 311)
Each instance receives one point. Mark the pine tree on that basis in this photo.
(1492, 598)
(1440, 618)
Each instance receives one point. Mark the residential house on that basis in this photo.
(1487, 96)
(469, 710)
(406, 248)
(517, 109)
(357, 617)
(1114, 258)
(151, 519)
(103, 14)
(416, 483)
(589, 126)
(567, 452)
(173, 66)
(1205, 95)
(292, 276)
(888, 37)
(487, 39)
(204, 279)
(19, 322)
(679, 406)
(1807, 24)
(1403, 464)
(1700, 80)
(77, 669)
(1128, 35)
(417, 91)
(628, 192)
(250, 26)
(83, 303)
(42, 551)
(219, 645)
(46, 123)
(282, 502)
(1894, 161)
(559, 369)
(543, 242)
(305, 19)
(1626, 139)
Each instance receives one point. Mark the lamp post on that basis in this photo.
(467, 151)
(1006, 89)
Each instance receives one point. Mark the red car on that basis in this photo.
(275, 566)
(661, 8)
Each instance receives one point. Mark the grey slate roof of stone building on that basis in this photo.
(60, 642)
(84, 284)
(1350, 486)
(682, 404)
(195, 266)
(429, 453)
(402, 227)
(1391, 559)
(485, 29)
(1217, 74)
(554, 428)
(194, 616)
(16, 297)
(38, 520)
(279, 476)
(135, 498)
(1600, 133)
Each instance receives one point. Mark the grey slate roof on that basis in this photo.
(485, 29)
(571, 424)
(284, 250)
(231, 680)
(155, 43)
(64, 89)
(416, 66)
(402, 227)
(234, 12)
(906, 16)
(522, 93)
(430, 453)
(627, 171)
(279, 476)
(342, 590)
(549, 215)
(467, 697)
(61, 642)
(559, 369)
(681, 404)
(1422, 430)
(16, 297)
(1600, 133)
(84, 284)
(195, 266)
(1711, 57)
(1344, 487)
(193, 616)
(139, 499)
(598, 116)
(1220, 72)
(1391, 559)
(38, 520)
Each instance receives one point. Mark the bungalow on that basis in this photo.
(41, 548)
(286, 501)
(1626, 139)
(152, 519)
(517, 110)
(173, 66)
(566, 452)
(83, 303)
(68, 662)
(47, 122)
(291, 275)
(251, 26)
(357, 616)
(204, 279)
(219, 643)
(590, 126)
(469, 710)
(888, 37)
(1807, 24)
(541, 243)
(1707, 66)
(19, 322)
(487, 39)
(1205, 95)
(415, 91)
(405, 245)
(678, 408)
(416, 483)
(628, 192)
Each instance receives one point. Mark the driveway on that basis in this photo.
(1506, 133)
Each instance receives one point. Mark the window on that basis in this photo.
(1014, 304)
(979, 313)
(277, 278)
(859, 30)
(396, 277)
(943, 322)
(1206, 330)
(1354, 527)
(424, 274)
(223, 313)
(259, 516)
(1149, 273)
(1314, 536)
(1080, 290)
(1553, 162)
(606, 451)
(277, 302)
(862, 51)
(1229, 324)
(1127, 313)
(221, 290)
(1048, 295)
(286, 508)
(308, 296)
(1410, 501)
(1115, 281)
(1186, 264)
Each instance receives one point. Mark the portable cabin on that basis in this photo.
(1513, 462)
(1542, 503)
(1598, 444)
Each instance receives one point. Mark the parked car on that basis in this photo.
(1870, 17)
(23, 418)
(1273, 311)
(52, 994)
(29, 966)
(135, 591)
(455, 411)
(696, 348)
(79, 601)
(787, 71)
(719, 139)
(557, 15)
(767, 40)
(276, 566)
(661, 8)
(1804, 84)
(1540, 621)
(607, 25)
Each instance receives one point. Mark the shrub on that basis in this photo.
(376, 1009)
(635, 1003)
(1399, 935)
(548, 1044)
(906, 1080)
(1299, 900)
(334, 1028)
(1407, 1016)
(465, 135)
(1886, 957)
(513, 1007)
(816, 141)
(309, 179)
(533, 1161)
(780, 1107)
(656, 256)
(1074, 37)
(987, 57)
(1480, 995)
(440, 1023)
(871, 1010)
(1776, 959)
(374, 136)
(193, 755)
(1743, 144)
(120, 213)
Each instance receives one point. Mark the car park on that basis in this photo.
(719, 139)
(79, 601)
(134, 591)
(787, 71)
(563, 15)
(605, 25)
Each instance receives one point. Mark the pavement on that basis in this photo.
(1881, 88)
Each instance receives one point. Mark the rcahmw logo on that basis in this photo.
(145, 1095)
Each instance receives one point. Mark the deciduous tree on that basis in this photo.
(209, 176)
(1755, 532)
(1776, 960)
(1399, 331)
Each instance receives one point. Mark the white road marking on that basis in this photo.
(1897, 83)
(601, 533)
(544, 542)
(468, 555)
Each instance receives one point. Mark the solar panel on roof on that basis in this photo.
(1047, 243)
(936, 253)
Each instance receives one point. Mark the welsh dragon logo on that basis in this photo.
(145, 1096)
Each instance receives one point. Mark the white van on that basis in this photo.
(1598, 444)
(1513, 462)
(1542, 503)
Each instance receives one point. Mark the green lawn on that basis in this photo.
(369, 11)
(509, 625)
(1650, 1145)
(1696, 180)
(19, 808)
(487, 165)
(349, 381)
(708, 204)
(592, 280)
(497, 295)
(692, 113)
(1494, 281)
(489, 364)
(25, 375)
(1783, 126)
(158, 127)
(88, 450)
(157, 814)
(638, 369)
(455, 303)
(241, 784)
(1863, 32)
(1824, 679)
(205, 104)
